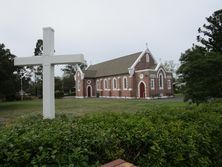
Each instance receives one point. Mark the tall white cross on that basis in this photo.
(48, 60)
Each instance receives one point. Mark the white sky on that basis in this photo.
(105, 29)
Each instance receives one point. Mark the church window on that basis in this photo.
(97, 84)
(78, 85)
(114, 83)
(169, 84)
(101, 83)
(161, 81)
(152, 84)
(125, 83)
(105, 84)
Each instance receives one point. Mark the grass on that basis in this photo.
(9, 111)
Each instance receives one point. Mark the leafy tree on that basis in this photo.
(58, 87)
(37, 70)
(68, 78)
(68, 84)
(201, 66)
(70, 69)
(58, 84)
(39, 48)
(38, 52)
(8, 84)
(170, 66)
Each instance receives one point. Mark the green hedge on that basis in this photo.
(156, 137)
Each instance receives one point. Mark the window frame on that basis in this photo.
(97, 84)
(125, 83)
(152, 84)
(105, 86)
(161, 81)
(114, 84)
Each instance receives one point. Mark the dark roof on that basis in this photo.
(111, 67)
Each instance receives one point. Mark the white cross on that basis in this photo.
(48, 60)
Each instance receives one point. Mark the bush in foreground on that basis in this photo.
(161, 137)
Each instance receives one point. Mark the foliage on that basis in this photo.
(37, 70)
(68, 84)
(59, 94)
(156, 136)
(212, 32)
(201, 66)
(68, 77)
(58, 84)
(8, 80)
(70, 69)
(170, 66)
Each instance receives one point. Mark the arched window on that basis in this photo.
(105, 84)
(114, 83)
(97, 84)
(161, 81)
(78, 85)
(152, 84)
(101, 84)
(125, 83)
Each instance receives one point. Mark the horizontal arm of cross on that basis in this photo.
(67, 59)
(57, 59)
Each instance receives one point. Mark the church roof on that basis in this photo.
(111, 67)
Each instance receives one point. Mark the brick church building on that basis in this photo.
(133, 76)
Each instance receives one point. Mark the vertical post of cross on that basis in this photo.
(48, 75)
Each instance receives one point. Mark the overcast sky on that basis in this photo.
(105, 29)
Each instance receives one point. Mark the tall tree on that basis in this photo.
(38, 52)
(210, 35)
(201, 66)
(37, 70)
(8, 84)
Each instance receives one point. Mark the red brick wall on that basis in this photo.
(143, 64)
(89, 83)
(115, 92)
(142, 77)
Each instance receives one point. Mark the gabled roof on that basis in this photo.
(112, 67)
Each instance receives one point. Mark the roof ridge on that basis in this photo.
(116, 58)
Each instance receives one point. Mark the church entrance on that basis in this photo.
(89, 91)
(142, 90)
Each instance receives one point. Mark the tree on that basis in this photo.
(201, 66)
(68, 84)
(38, 52)
(171, 66)
(212, 39)
(37, 70)
(70, 69)
(68, 77)
(58, 87)
(8, 84)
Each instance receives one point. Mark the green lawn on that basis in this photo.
(12, 110)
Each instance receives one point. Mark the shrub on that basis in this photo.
(156, 137)
(59, 94)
